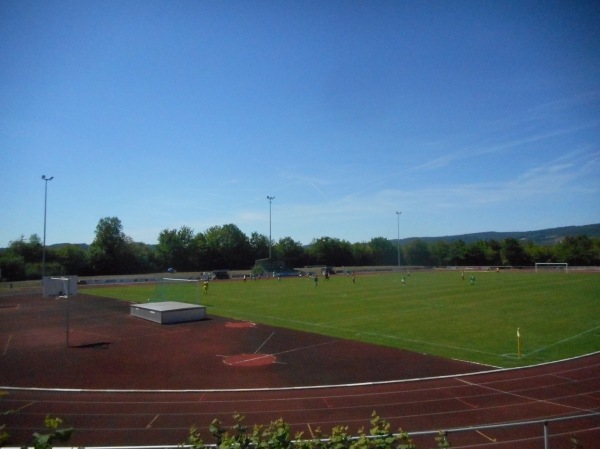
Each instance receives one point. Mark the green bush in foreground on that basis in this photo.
(277, 435)
(46, 440)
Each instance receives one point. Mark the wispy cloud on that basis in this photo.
(479, 150)
(552, 177)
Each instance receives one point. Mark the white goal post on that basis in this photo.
(175, 289)
(552, 266)
(59, 286)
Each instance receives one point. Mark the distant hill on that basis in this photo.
(83, 246)
(542, 237)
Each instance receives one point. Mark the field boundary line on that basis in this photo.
(349, 331)
(563, 340)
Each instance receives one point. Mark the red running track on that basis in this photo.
(125, 381)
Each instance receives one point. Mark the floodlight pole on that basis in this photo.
(398, 241)
(45, 206)
(270, 198)
(68, 312)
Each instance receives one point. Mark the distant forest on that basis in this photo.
(226, 247)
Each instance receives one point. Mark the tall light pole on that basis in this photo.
(270, 198)
(398, 214)
(45, 204)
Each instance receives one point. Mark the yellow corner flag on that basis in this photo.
(518, 343)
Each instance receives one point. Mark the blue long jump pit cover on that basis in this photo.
(169, 312)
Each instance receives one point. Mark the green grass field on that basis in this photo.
(435, 312)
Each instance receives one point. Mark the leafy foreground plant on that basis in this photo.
(442, 439)
(277, 435)
(46, 440)
(3, 434)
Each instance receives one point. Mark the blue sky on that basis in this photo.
(466, 116)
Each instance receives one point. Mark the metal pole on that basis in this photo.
(270, 198)
(398, 214)
(68, 311)
(44, 244)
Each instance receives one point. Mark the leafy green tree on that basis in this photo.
(228, 247)
(596, 251)
(476, 254)
(30, 250)
(577, 250)
(331, 251)
(441, 253)
(290, 252)
(110, 252)
(72, 259)
(538, 253)
(22, 259)
(383, 251)
(494, 252)
(514, 254)
(144, 258)
(259, 246)
(362, 254)
(177, 249)
(458, 252)
(202, 252)
(13, 266)
(417, 253)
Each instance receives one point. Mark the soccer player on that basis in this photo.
(205, 287)
(316, 280)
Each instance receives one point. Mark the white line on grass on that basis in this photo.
(573, 337)
(376, 315)
(374, 334)
(412, 340)
(269, 317)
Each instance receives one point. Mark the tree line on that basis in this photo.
(226, 247)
